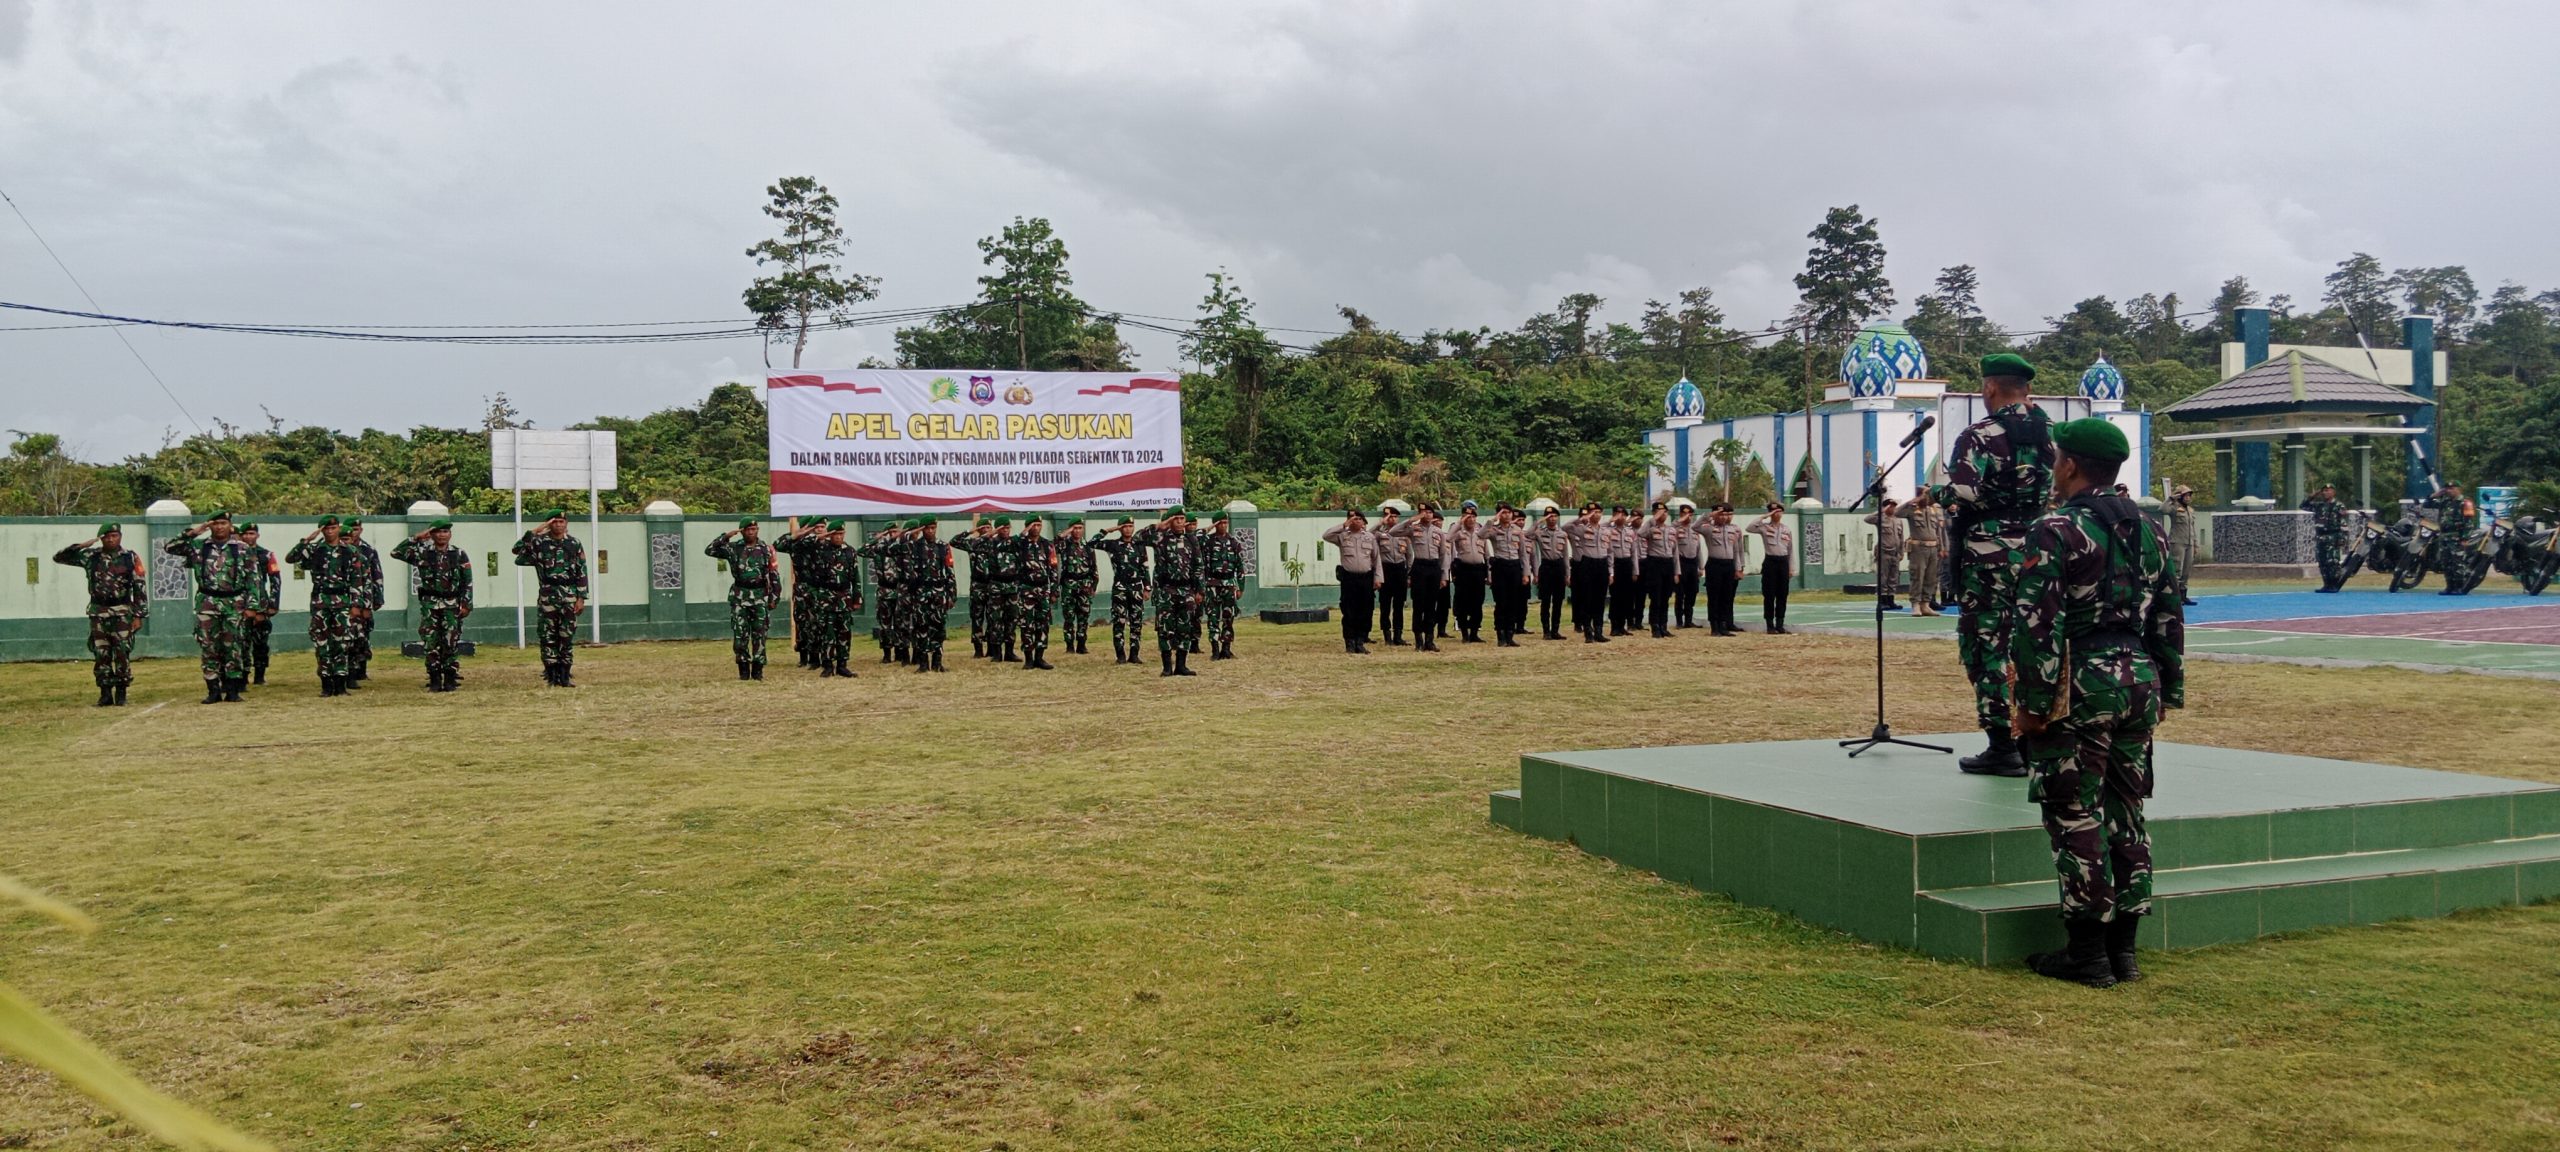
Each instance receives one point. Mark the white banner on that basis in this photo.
(894, 441)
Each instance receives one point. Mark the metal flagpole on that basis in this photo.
(515, 468)
(595, 535)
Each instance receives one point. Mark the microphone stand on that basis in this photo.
(1883, 733)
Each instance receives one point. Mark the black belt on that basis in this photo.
(2106, 640)
(222, 592)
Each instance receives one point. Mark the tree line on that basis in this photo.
(1554, 406)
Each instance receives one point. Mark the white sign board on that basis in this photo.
(563, 460)
(898, 441)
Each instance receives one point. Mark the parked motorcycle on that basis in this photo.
(2530, 552)
(2412, 543)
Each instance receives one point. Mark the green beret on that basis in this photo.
(556, 514)
(835, 525)
(2094, 438)
(218, 514)
(245, 526)
(2008, 364)
(110, 527)
(746, 521)
(352, 522)
(1002, 521)
(325, 521)
(1220, 517)
(441, 526)
(1172, 512)
(1124, 520)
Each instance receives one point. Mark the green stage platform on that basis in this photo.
(1898, 847)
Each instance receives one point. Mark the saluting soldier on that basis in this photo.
(1626, 591)
(1928, 534)
(1891, 535)
(2100, 649)
(1656, 567)
(1721, 539)
(886, 550)
(1469, 571)
(225, 582)
(1076, 584)
(755, 584)
(980, 536)
(833, 571)
(1176, 550)
(1429, 574)
(1555, 559)
(1129, 590)
(119, 597)
(369, 599)
(1395, 571)
(1777, 566)
(1692, 560)
(336, 573)
(2329, 535)
(1222, 565)
(1591, 573)
(1999, 477)
(1508, 542)
(804, 617)
(930, 590)
(559, 563)
(259, 622)
(1356, 568)
(1035, 577)
(444, 599)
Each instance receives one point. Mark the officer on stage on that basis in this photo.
(2099, 646)
(1999, 474)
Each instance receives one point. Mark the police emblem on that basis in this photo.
(982, 390)
(1018, 394)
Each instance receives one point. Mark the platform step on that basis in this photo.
(2197, 907)
(1506, 808)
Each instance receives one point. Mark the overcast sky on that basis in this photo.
(1436, 164)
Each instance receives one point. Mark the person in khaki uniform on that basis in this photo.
(1925, 545)
(1890, 536)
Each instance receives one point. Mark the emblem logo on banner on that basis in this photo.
(1018, 394)
(982, 390)
(943, 390)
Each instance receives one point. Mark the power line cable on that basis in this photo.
(93, 303)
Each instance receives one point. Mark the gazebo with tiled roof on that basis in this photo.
(2293, 399)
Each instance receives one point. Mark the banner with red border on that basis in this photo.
(887, 441)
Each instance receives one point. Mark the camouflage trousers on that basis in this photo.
(925, 625)
(750, 620)
(440, 632)
(111, 643)
(222, 636)
(804, 639)
(828, 634)
(889, 620)
(1031, 617)
(1128, 616)
(1218, 612)
(1987, 592)
(2332, 551)
(360, 646)
(1000, 619)
(2091, 771)
(333, 633)
(559, 631)
(261, 631)
(1075, 613)
(978, 616)
(1177, 620)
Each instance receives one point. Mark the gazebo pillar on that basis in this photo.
(2294, 448)
(2364, 472)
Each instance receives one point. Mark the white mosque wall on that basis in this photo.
(1849, 445)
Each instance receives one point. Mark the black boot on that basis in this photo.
(1119, 651)
(106, 696)
(231, 689)
(758, 669)
(258, 675)
(884, 656)
(120, 695)
(937, 662)
(328, 687)
(824, 670)
(1165, 656)
(977, 648)
(1182, 663)
(843, 672)
(920, 664)
(565, 681)
(742, 670)
(2082, 961)
(2001, 758)
(2120, 934)
(212, 692)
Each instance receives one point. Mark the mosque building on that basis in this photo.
(1882, 392)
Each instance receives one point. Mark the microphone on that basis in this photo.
(1926, 422)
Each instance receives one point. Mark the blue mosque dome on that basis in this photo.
(1684, 402)
(2102, 381)
(1891, 343)
(1870, 378)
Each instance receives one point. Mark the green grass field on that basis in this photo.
(1093, 908)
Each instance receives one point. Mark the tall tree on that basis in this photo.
(1843, 283)
(1949, 317)
(2362, 293)
(1679, 337)
(1227, 338)
(2445, 293)
(1026, 315)
(807, 286)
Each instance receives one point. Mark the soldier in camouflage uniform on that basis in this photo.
(259, 622)
(1999, 477)
(2329, 535)
(930, 590)
(368, 596)
(887, 549)
(2455, 518)
(443, 599)
(336, 572)
(835, 572)
(1222, 562)
(560, 563)
(979, 538)
(1076, 583)
(755, 584)
(225, 582)
(1035, 587)
(1129, 588)
(119, 597)
(2099, 649)
(993, 559)
(803, 617)
(1176, 548)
